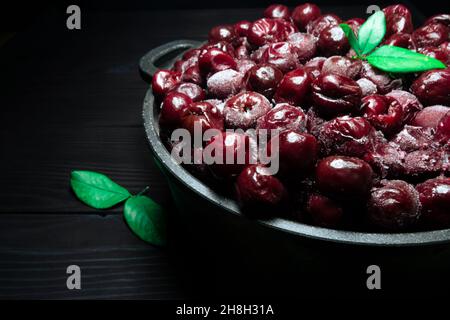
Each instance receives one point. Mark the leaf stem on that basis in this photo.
(143, 191)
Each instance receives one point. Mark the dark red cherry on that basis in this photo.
(430, 117)
(433, 87)
(386, 159)
(304, 14)
(277, 11)
(424, 163)
(393, 205)
(192, 53)
(192, 90)
(282, 55)
(305, 45)
(282, 117)
(266, 30)
(294, 88)
(355, 24)
(430, 35)
(228, 153)
(343, 66)
(164, 80)
(443, 18)
(193, 75)
(398, 19)
(344, 176)
(244, 109)
(225, 83)
(259, 191)
(316, 26)
(172, 109)
(384, 113)
(403, 40)
(333, 41)
(367, 86)
(412, 138)
(334, 94)
(241, 28)
(324, 211)
(214, 60)
(297, 152)
(346, 136)
(434, 195)
(202, 115)
(264, 79)
(221, 33)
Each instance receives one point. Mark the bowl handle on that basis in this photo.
(161, 57)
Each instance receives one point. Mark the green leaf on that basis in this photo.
(146, 219)
(401, 60)
(97, 190)
(372, 32)
(351, 37)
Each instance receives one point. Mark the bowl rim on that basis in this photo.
(296, 228)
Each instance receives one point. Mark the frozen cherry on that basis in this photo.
(314, 66)
(244, 65)
(383, 112)
(225, 83)
(333, 41)
(277, 11)
(434, 195)
(344, 176)
(282, 55)
(324, 211)
(304, 14)
(367, 87)
(297, 152)
(386, 159)
(192, 90)
(424, 163)
(433, 87)
(244, 109)
(412, 138)
(346, 136)
(221, 33)
(282, 117)
(393, 205)
(164, 80)
(214, 60)
(258, 190)
(403, 40)
(191, 53)
(443, 128)
(382, 80)
(430, 116)
(172, 110)
(266, 30)
(241, 28)
(294, 87)
(343, 66)
(430, 35)
(316, 26)
(230, 152)
(264, 79)
(398, 20)
(203, 115)
(410, 104)
(334, 94)
(305, 45)
(224, 46)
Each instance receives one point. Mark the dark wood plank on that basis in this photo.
(114, 263)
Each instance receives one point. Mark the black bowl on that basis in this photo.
(278, 245)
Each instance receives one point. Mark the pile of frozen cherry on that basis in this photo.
(359, 148)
